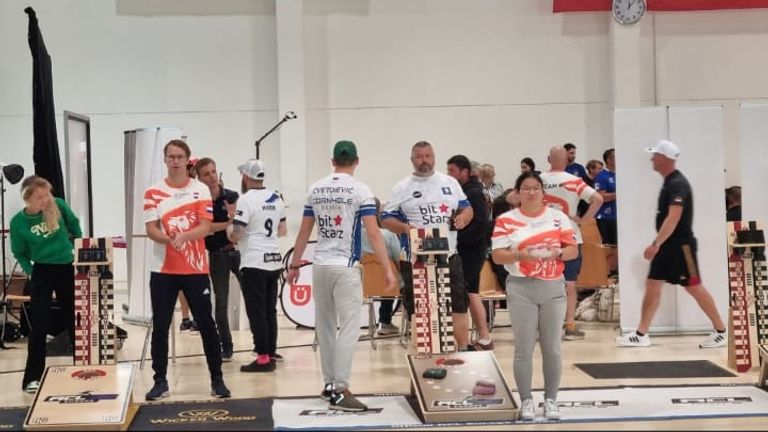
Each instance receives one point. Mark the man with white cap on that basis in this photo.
(259, 221)
(673, 252)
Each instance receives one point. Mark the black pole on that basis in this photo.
(288, 116)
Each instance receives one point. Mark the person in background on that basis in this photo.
(259, 222)
(42, 241)
(491, 188)
(605, 184)
(673, 252)
(527, 165)
(472, 245)
(573, 168)
(224, 257)
(564, 191)
(177, 220)
(339, 204)
(187, 322)
(386, 307)
(533, 241)
(594, 167)
(733, 204)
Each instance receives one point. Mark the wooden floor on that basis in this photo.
(384, 370)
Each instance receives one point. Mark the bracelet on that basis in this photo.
(294, 267)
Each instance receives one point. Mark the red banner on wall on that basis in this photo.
(659, 5)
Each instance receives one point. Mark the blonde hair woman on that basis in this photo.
(42, 236)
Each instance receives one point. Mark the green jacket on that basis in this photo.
(32, 242)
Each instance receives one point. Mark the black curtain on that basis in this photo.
(46, 148)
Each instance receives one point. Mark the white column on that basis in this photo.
(626, 64)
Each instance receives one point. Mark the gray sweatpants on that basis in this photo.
(338, 295)
(533, 305)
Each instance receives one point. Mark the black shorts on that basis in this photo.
(608, 231)
(472, 263)
(459, 297)
(676, 263)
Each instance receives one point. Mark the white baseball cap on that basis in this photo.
(665, 148)
(253, 168)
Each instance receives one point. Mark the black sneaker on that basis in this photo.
(327, 392)
(219, 390)
(226, 354)
(256, 367)
(345, 401)
(158, 391)
(276, 358)
(186, 325)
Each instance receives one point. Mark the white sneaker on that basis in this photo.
(715, 340)
(551, 410)
(527, 410)
(633, 339)
(387, 329)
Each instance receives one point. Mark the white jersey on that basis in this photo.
(338, 202)
(260, 211)
(427, 202)
(563, 191)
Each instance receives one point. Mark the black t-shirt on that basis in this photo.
(676, 191)
(218, 240)
(475, 235)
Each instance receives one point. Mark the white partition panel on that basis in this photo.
(637, 188)
(698, 131)
(144, 165)
(754, 161)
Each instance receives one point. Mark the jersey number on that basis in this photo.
(268, 226)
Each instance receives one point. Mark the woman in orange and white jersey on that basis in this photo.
(532, 241)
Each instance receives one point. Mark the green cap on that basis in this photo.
(344, 150)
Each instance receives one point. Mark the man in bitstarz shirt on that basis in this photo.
(430, 199)
(339, 204)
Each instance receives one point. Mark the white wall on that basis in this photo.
(136, 66)
(494, 79)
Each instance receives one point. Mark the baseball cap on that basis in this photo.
(665, 148)
(344, 150)
(253, 168)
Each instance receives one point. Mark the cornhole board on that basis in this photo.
(98, 397)
(451, 398)
(747, 287)
(431, 291)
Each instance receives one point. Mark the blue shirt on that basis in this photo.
(576, 169)
(605, 181)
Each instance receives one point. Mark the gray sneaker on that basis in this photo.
(344, 401)
(572, 335)
(387, 329)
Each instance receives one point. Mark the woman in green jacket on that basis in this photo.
(42, 237)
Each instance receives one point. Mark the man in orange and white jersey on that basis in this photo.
(563, 191)
(177, 220)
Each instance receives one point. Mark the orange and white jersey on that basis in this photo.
(518, 231)
(179, 210)
(563, 191)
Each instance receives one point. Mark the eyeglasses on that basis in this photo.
(530, 189)
(176, 157)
